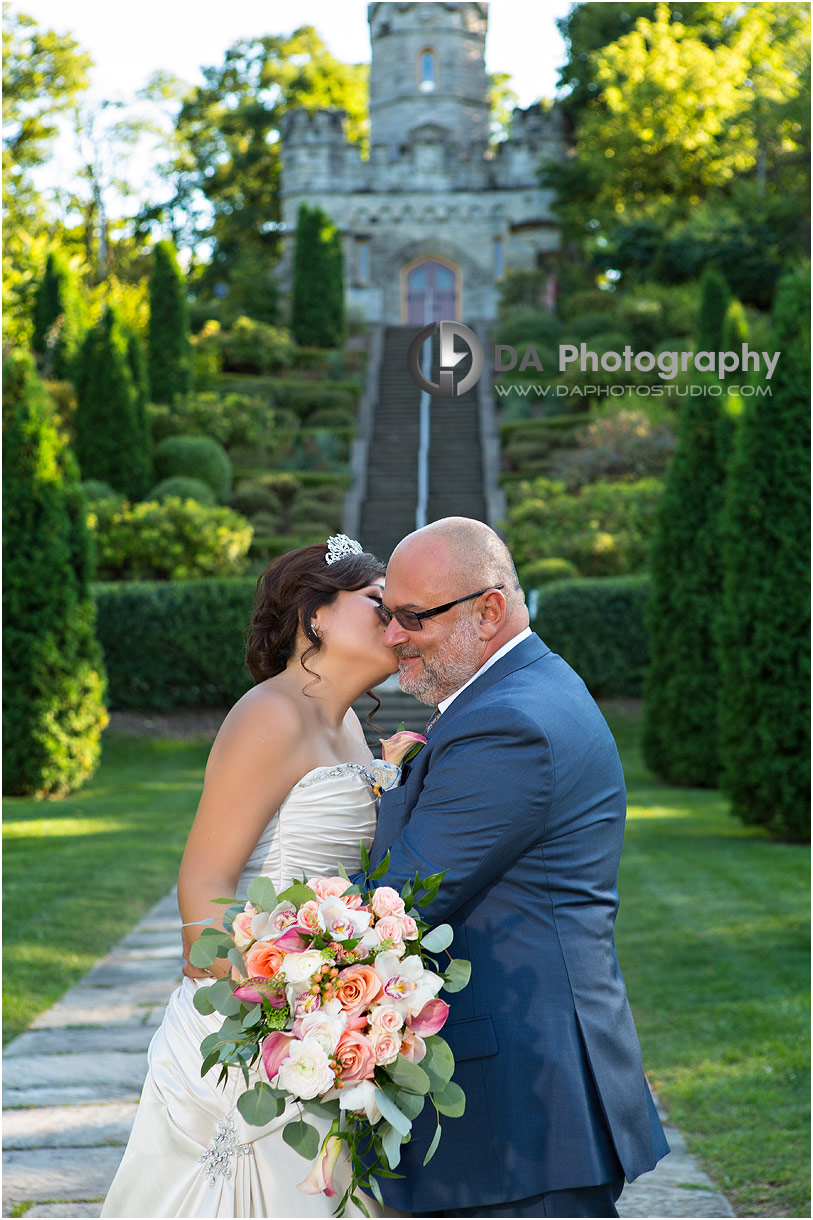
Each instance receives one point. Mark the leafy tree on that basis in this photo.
(170, 354)
(680, 696)
(58, 317)
(317, 309)
(764, 624)
(229, 128)
(586, 29)
(53, 706)
(112, 435)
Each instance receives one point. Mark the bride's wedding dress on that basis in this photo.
(190, 1152)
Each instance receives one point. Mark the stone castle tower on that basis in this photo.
(435, 217)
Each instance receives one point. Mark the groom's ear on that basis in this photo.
(492, 614)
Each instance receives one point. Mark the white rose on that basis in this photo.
(325, 1028)
(300, 968)
(340, 922)
(306, 1072)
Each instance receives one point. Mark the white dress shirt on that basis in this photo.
(501, 652)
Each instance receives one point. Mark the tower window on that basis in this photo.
(499, 259)
(362, 260)
(427, 70)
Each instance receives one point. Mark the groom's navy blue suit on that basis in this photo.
(520, 796)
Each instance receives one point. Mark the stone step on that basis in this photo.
(81, 1126)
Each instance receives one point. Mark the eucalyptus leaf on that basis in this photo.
(236, 959)
(391, 1143)
(409, 1103)
(452, 1101)
(438, 939)
(253, 1017)
(408, 1075)
(439, 1060)
(392, 1114)
(204, 951)
(303, 1138)
(261, 893)
(457, 974)
(382, 868)
(259, 1106)
(433, 1147)
(202, 1002)
(226, 901)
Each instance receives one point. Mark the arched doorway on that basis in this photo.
(431, 292)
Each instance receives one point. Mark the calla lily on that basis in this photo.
(320, 1179)
(276, 1049)
(290, 941)
(401, 747)
(430, 1019)
(254, 990)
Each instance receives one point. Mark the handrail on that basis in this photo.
(422, 507)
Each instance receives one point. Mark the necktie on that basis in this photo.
(435, 716)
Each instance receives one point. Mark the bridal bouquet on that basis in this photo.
(337, 1006)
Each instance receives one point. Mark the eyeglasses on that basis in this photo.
(410, 620)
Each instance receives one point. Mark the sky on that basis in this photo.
(131, 39)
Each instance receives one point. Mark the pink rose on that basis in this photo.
(409, 929)
(355, 1057)
(387, 901)
(353, 901)
(391, 928)
(387, 1018)
(327, 887)
(385, 1044)
(401, 747)
(242, 933)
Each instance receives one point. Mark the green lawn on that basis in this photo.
(78, 873)
(713, 938)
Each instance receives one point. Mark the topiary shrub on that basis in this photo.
(598, 627)
(53, 673)
(252, 497)
(198, 457)
(543, 571)
(255, 347)
(183, 487)
(59, 318)
(175, 643)
(176, 540)
(317, 306)
(620, 447)
(95, 489)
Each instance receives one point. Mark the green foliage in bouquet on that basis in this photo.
(256, 1015)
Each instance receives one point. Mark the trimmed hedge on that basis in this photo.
(174, 643)
(598, 627)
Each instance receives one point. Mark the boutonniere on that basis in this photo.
(396, 752)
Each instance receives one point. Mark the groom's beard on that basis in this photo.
(456, 660)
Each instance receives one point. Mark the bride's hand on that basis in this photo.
(195, 972)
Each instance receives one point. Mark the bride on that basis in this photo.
(286, 791)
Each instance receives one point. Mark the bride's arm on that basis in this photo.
(258, 756)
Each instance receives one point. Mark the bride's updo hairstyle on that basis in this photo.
(289, 592)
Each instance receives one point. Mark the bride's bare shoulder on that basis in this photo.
(267, 716)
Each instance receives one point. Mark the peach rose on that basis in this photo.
(355, 1057)
(353, 901)
(357, 987)
(387, 901)
(327, 887)
(243, 936)
(264, 959)
(385, 1044)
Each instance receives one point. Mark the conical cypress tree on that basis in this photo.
(764, 625)
(679, 737)
(137, 363)
(714, 301)
(169, 353)
(58, 318)
(112, 438)
(53, 674)
(317, 309)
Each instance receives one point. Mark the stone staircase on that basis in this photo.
(456, 483)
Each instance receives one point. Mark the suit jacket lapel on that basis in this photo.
(530, 650)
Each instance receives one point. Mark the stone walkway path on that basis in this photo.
(71, 1085)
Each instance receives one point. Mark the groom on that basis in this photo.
(519, 795)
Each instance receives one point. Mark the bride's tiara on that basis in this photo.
(339, 546)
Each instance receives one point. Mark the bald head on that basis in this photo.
(458, 552)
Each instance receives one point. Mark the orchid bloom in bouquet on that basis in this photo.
(336, 1009)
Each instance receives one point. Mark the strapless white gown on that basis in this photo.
(190, 1153)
